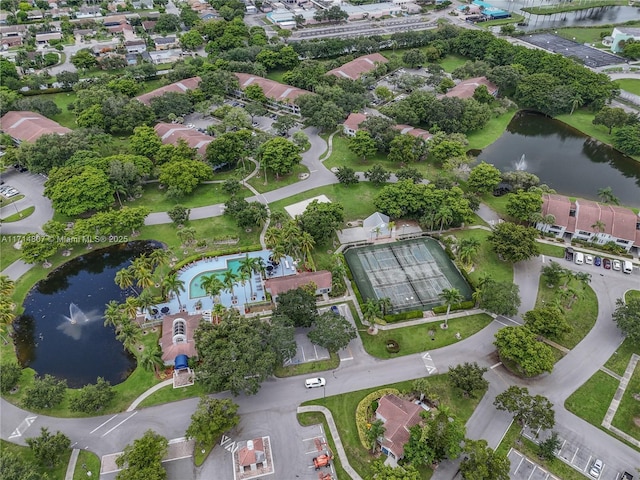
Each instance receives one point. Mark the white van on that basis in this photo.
(579, 258)
(627, 267)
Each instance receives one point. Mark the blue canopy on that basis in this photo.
(182, 361)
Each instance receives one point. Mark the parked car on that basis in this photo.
(315, 382)
(617, 265)
(606, 263)
(588, 259)
(255, 124)
(596, 468)
(273, 116)
(335, 309)
(597, 261)
(626, 476)
(12, 193)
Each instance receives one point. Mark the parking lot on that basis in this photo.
(524, 469)
(307, 351)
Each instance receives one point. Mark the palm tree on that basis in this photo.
(173, 284)
(599, 226)
(307, 243)
(187, 235)
(451, 296)
(151, 359)
(607, 196)
(467, 249)
(130, 307)
(230, 279)
(129, 334)
(212, 285)
(476, 296)
(125, 278)
(247, 267)
(390, 226)
(159, 257)
(445, 215)
(583, 277)
(243, 278)
(6, 286)
(114, 315)
(576, 103)
(146, 300)
(218, 311)
(574, 295)
(272, 236)
(385, 305)
(6, 312)
(371, 311)
(278, 254)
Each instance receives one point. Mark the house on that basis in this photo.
(351, 124)
(180, 87)
(371, 11)
(252, 458)
(177, 336)
(398, 416)
(25, 126)
(149, 25)
(45, 38)
(35, 15)
(590, 221)
(13, 31)
(173, 132)
(9, 42)
(377, 225)
(165, 43)
(413, 131)
(282, 17)
(92, 11)
(135, 46)
(277, 285)
(166, 56)
(142, 4)
(622, 34)
(358, 67)
(252, 455)
(466, 88)
(279, 95)
(208, 14)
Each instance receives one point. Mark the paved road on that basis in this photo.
(32, 187)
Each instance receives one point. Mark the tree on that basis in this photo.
(450, 296)
(333, 332)
(482, 95)
(255, 109)
(151, 359)
(179, 215)
(468, 377)
(183, 176)
(440, 437)
(413, 58)
(83, 59)
(535, 412)
(375, 431)
(167, 23)
(211, 419)
(79, 189)
(321, 219)
(520, 347)
(606, 196)
(346, 176)
(172, 284)
(212, 285)
(547, 448)
(284, 123)
(93, 397)
(514, 243)
(484, 178)
(524, 205)
(191, 40)
(143, 458)
(409, 173)
(49, 449)
(46, 392)
(145, 142)
(301, 140)
(298, 306)
(15, 467)
(280, 156)
(482, 463)
(554, 273)
(11, 372)
(627, 317)
(377, 175)
(175, 103)
(548, 321)
(362, 144)
(37, 248)
(236, 355)
(387, 472)
(611, 117)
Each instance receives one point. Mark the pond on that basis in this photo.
(565, 159)
(61, 331)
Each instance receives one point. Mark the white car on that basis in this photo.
(12, 193)
(315, 382)
(588, 259)
(596, 468)
(616, 265)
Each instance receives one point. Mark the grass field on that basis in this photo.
(629, 84)
(92, 463)
(584, 34)
(169, 394)
(8, 201)
(63, 99)
(309, 367)
(581, 316)
(257, 182)
(591, 401)
(342, 156)
(343, 409)
(420, 338)
(276, 75)
(204, 194)
(486, 261)
(491, 132)
(22, 214)
(629, 408)
(547, 250)
(55, 473)
(620, 359)
(451, 62)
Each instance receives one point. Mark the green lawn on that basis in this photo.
(357, 199)
(92, 462)
(8, 201)
(342, 156)
(631, 294)
(620, 359)
(591, 401)
(56, 473)
(451, 62)
(169, 394)
(498, 204)
(66, 118)
(309, 367)
(629, 84)
(556, 251)
(581, 316)
(19, 215)
(276, 75)
(591, 35)
(204, 194)
(420, 338)
(343, 408)
(491, 132)
(257, 182)
(629, 408)
(486, 261)
(8, 254)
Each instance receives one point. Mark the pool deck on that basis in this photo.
(219, 265)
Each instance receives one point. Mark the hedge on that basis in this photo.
(363, 413)
(216, 253)
(398, 317)
(466, 305)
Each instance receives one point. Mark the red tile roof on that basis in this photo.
(277, 91)
(355, 68)
(466, 88)
(179, 87)
(558, 206)
(413, 131)
(29, 126)
(247, 456)
(171, 350)
(398, 416)
(172, 132)
(354, 120)
(276, 286)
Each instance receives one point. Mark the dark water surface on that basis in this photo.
(49, 342)
(568, 161)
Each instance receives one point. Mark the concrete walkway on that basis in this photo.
(148, 393)
(433, 319)
(71, 468)
(344, 461)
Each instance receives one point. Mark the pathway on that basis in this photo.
(73, 460)
(617, 398)
(148, 393)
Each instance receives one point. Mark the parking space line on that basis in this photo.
(304, 359)
(574, 455)
(561, 447)
(588, 462)
(521, 460)
(533, 470)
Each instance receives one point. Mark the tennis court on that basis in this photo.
(412, 273)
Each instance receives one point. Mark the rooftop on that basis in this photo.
(29, 126)
(172, 132)
(277, 91)
(356, 68)
(399, 415)
(466, 88)
(179, 87)
(277, 285)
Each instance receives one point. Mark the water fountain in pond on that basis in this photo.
(521, 165)
(72, 326)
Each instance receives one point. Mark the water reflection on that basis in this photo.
(565, 159)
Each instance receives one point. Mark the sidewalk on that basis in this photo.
(71, 468)
(148, 393)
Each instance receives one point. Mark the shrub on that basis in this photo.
(466, 305)
(392, 346)
(398, 317)
(364, 413)
(9, 376)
